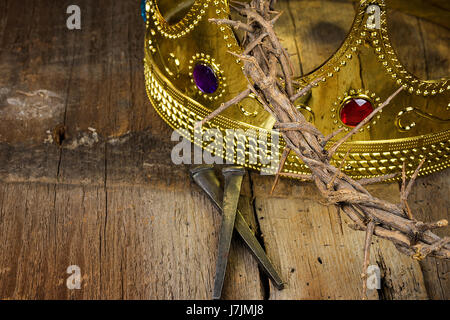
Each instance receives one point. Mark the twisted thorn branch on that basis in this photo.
(413, 178)
(325, 140)
(433, 225)
(305, 90)
(422, 251)
(366, 181)
(256, 42)
(232, 23)
(305, 177)
(298, 126)
(338, 172)
(262, 63)
(403, 197)
(223, 107)
(280, 168)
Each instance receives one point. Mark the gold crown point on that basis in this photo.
(403, 130)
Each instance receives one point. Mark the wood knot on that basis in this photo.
(59, 134)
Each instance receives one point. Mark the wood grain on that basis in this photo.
(430, 202)
(300, 232)
(109, 200)
(319, 257)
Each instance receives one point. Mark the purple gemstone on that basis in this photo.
(205, 78)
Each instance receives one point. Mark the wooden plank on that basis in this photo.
(109, 200)
(427, 10)
(430, 202)
(153, 240)
(318, 259)
(318, 29)
(428, 59)
(304, 236)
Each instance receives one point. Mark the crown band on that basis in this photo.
(381, 148)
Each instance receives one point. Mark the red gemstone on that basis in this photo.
(355, 110)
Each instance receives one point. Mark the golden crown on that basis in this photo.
(189, 73)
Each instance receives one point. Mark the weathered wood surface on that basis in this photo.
(110, 201)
